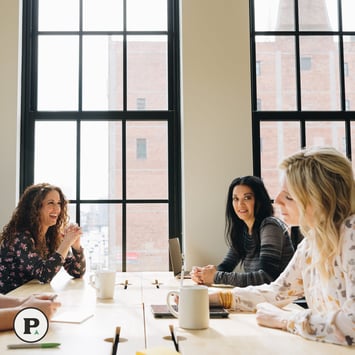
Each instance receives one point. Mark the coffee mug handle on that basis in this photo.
(171, 309)
(92, 280)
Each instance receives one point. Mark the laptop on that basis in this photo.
(176, 258)
(162, 311)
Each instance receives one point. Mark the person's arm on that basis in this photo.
(75, 263)
(266, 266)
(8, 301)
(72, 252)
(7, 316)
(338, 325)
(32, 263)
(208, 274)
(230, 261)
(10, 306)
(285, 289)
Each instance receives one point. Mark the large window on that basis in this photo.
(303, 72)
(100, 119)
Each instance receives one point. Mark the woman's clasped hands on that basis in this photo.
(203, 275)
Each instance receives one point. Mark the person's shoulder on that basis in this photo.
(349, 222)
(24, 238)
(275, 221)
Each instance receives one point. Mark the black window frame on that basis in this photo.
(297, 115)
(29, 115)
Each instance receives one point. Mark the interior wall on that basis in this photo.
(216, 109)
(216, 116)
(9, 106)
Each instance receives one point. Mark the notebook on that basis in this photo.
(72, 316)
(162, 311)
(176, 258)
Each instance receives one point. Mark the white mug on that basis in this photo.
(104, 282)
(193, 309)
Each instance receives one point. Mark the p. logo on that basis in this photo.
(31, 325)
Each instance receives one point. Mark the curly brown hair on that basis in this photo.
(26, 218)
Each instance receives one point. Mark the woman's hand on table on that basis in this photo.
(44, 302)
(271, 316)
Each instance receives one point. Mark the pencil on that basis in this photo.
(53, 297)
(116, 341)
(171, 327)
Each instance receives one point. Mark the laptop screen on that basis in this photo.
(175, 255)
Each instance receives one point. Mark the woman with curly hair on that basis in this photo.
(257, 240)
(319, 188)
(38, 240)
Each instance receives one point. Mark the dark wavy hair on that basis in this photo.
(26, 217)
(263, 208)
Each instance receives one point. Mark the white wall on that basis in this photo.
(216, 118)
(9, 108)
(217, 138)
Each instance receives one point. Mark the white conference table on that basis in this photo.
(130, 309)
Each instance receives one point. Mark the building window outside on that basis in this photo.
(141, 144)
(106, 77)
(346, 69)
(258, 68)
(141, 103)
(306, 63)
(305, 90)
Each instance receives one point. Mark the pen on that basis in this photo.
(33, 345)
(171, 327)
(116, 341)
(126, 284)
(157, 283)
(53, 297)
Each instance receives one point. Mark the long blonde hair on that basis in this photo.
(322, 178)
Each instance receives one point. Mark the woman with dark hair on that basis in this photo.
(38, 240)
(257, 240)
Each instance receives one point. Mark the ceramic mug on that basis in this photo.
(104, 282)
(193, 308)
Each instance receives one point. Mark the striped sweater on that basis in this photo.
(263, 263)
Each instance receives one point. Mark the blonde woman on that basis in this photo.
(320, 182)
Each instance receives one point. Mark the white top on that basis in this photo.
(331, 314)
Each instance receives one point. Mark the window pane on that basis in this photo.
(147, 178)
(101, 160)
(270, 15)
(320, 82)
(278, 140)
(58, 15)
(147, 15)
(349, 63)
(318, 15)
(147, 72)
(147, 237)
(102, 73)
(276, 84)
(55, 155)
(102, 235)
(58, 73)
(326, 133)
(348, 8)
(103, 15)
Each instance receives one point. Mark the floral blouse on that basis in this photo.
(331, 314)
(20, 262)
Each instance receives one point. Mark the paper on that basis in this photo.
(72, 317)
